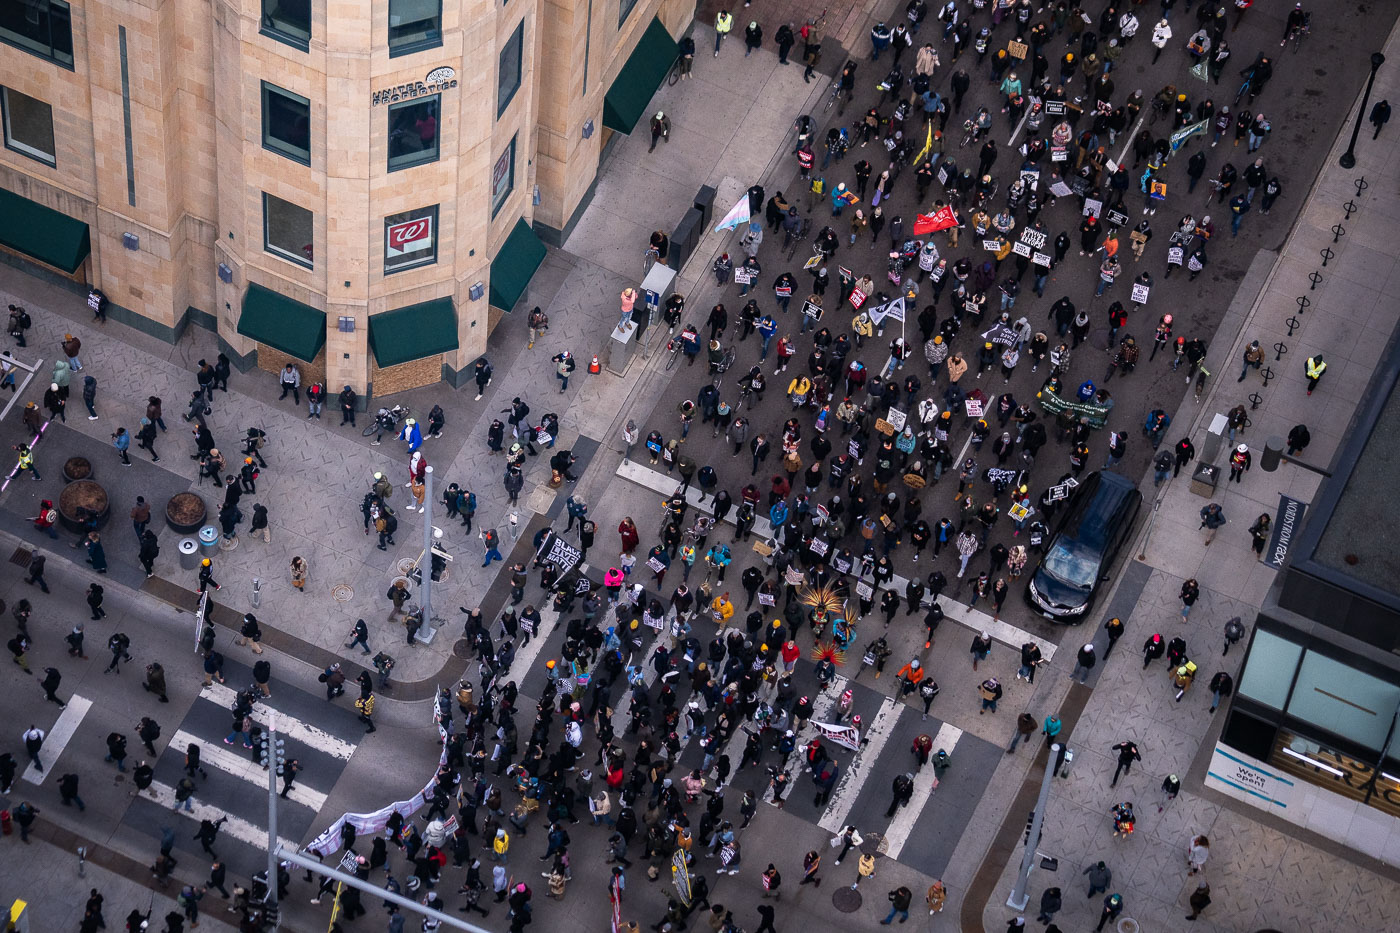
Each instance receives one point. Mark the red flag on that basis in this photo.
(941, 219)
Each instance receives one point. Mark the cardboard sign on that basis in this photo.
(1060, 190)
(1136, 237)
(1054, 108)
(943, 175)
(973, 407)
(896, 419)
(1017, 50)
(793, 577)
(992, 245)
(857, 298)
(1117, 218)
(813, 311)
(766, 599)
(813, 262)
(1079, 186)
(1021, 249)
(1063, 490)
(783, 291)
(743, 276)
(841, 564)
(1058, 154)
(1139, 293)
(864, 590)
(1018, 512)
(1093, 207)
(884, 427)
(819, 546)
(1175, 256)
(655, 564)
(1157, 191)
(1041, 259)
(1033, 238)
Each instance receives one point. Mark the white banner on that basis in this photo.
(845, 736)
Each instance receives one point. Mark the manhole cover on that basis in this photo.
(342, 592)
(873, 844)
(846, 900)
(405, 566)
(463, 649)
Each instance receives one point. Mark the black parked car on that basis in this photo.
(1085, 544)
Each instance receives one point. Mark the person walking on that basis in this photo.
(811, 862)
(33, 739)
(94, 601)
(290, 770)
(1127, 754)
(119, 644)
(1190, 592)
(1084, 663)
(122, 442)
(1313, 368)
(1380, 116)
(359, 635)
(1221, 685)
(116, 750)
(36, 572)
(1112, 907)
(1200, 898)
(1212, 517)
(50, 683)
(1025, 728)
(1197, 851)
(899, 899)
(206, 576)
(364, 711)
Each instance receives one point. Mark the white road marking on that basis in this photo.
(877, 734)
(58, 737)
(237, 827)
(287, 726)
(903, 823)
(525, 657)
(217, 755)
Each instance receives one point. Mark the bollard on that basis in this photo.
(1255, 400)
(1338, 231)
(1304, 302)
(1314, 277)
(1280, 349)
(1361, 185)
(1326, 254)
(1351, 208)
(256, 599)
(1268, 373)
(1293, 324)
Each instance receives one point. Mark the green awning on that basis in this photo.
(514, 265)
(638, 80)
(42, 232)
(415, 332)
(281, 323)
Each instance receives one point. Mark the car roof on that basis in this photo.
(1102, 498)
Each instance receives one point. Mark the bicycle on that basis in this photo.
(1201, 375)
(793, 237)
(673, 348)
(722, 367)
(835, 93)
(1245, 87)
(387, 420)
(1299, 33)
(969, 133)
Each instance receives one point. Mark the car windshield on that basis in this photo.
(1070, 567)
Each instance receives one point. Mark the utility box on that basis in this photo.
(621, 346)
(705, 204)
(656, 288)
(1205, 478)
(1215, 438)
(189, 553)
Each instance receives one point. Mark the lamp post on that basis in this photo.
(1348, 159)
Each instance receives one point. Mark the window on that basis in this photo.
(410, 239)
(503, 177)
(624, 10)
(286, 123)
(508, 78)
(39, 26)
(414, 25)
(287, 230)
(1347, 702)
(1268, 672)
(413, 132)
(288, 21)
(28, 125)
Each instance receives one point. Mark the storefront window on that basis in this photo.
(410, 239)
(414, 25)
(287, 231)
(413, 132)
(1343, 700)
(43, 27)
(1268, 672)
(1336, 771)
(28, 125)
(286, 123)
(508, 77)
(288, 21)
(503, 178)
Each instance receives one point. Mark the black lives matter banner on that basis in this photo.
(1287, 523)
(560, 553)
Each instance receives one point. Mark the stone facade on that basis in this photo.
(187, 78)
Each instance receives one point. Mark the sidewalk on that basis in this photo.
(1263, 872)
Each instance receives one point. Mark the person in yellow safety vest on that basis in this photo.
(364, 706)
(1315, 367)
(500, 846)
(723, 23)
(26, 461)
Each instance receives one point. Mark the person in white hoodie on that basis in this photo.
(1161, 35)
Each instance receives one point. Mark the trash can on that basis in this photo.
(189, 553)
(209, 540)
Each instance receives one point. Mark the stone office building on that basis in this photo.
(360, 187)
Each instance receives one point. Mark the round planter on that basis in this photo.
(76, 468)
(185, 513)
(79, 499)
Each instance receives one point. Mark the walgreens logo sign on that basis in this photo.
(411, 236)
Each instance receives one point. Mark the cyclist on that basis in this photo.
(1257, 75)
(847, 80)
(1297, 22)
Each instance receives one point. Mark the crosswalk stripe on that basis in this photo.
(525, 657)
(287, 726)
(58, 737)
(216, 755)
(821, 710)
(903, 823)
(237, 827)
(848, 788)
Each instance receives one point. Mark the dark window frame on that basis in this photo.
(510, 151)
(273, 144)
(624, 10)
(514, 45)
(407, 160)
(296, 257)
(21, 147)
(432, 40)
(67, 59)
(433, 211)
(269, 27)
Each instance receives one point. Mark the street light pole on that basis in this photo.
(272, 760)
(1348, 159)
(1019, 898)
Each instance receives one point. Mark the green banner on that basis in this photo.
(1095, 416)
